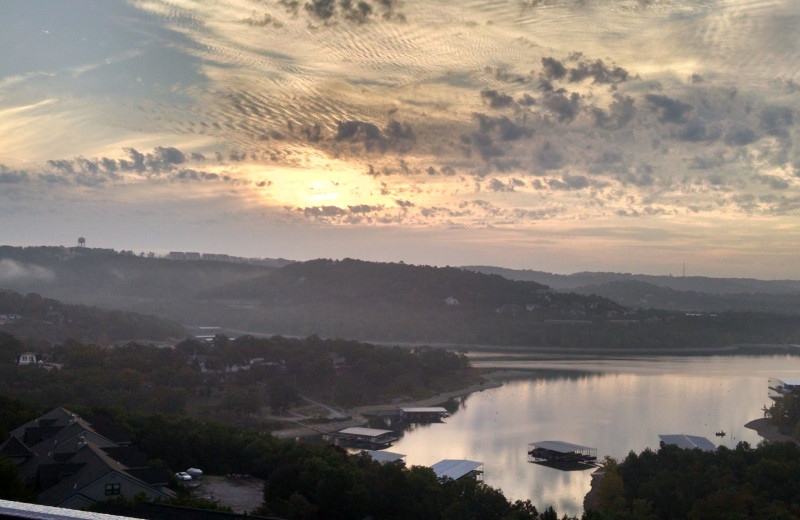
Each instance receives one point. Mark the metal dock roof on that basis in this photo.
(455, 468)
(688, 442)
(423, 409)
(383, 456)
(560, 446)
(364, 432)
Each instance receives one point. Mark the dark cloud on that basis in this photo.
(363, 208)
(740, 135)
(506, 129)
(404, 203)
(704, 162)
(357, 131)
(497, 185)
(549, 158)
(696, 130)
(775, 120)
(323, 211)
(669, 110)
(566, 108)
(553, 69)
(774, 182)
(620, 113)
(569, 182)
(12, 176)
(496, 99)
(598, 71)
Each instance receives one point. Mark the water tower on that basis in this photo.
(81, 242)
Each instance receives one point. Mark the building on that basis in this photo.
(73, 463)
(456, 469)
(27, 358)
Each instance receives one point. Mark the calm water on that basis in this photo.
(614, 405)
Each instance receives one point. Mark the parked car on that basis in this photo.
(182, 475)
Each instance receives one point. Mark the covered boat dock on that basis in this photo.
(458, 468)
(561, 452)
(688, 442)
(366, 437)
(423, 414)
(384, 457)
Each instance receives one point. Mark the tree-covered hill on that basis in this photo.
(33, 317)
(352, 298)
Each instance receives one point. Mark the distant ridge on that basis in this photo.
(690, 293)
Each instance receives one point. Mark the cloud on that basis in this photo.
(569, 182)
(670, 110)
(598, 71)
(323, 211)
(696, 131)
(12, 271)
(774, 182)
(776, 120)
(12, 176)
(740, 135)
(553, 69)
(620, 113)
(566, 108)
(549, 158)
(496, 99)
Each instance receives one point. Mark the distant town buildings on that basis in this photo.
(214, 257)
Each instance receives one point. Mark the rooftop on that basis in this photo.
(688, 442)
(560, 446)
(423, 409)
(364, 432)
(455, 468)
(384, 456)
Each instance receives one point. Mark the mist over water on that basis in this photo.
(614, 405)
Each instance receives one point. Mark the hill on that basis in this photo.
(32, 317)
(685, 293)
(120, 279)
(388, 301)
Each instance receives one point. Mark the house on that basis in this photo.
(27, 358)
(74, 463)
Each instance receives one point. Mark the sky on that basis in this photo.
(556, 135)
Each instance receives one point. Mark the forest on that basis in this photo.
(673, 483)
(229, 380)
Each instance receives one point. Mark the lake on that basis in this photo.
(615, 405)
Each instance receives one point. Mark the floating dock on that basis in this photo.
(560, 452)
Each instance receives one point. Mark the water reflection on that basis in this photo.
(613, 405)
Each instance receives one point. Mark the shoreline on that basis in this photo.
(492, 379)
(768, 432)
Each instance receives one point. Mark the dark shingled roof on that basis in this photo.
(14, 448)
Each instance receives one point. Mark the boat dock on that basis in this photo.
(560, 452)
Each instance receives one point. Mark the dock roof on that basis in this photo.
(688, 442)
(364, 432)
(790, 381)
(384, 456)
(560, 446)
(423, 409)
(455, 468)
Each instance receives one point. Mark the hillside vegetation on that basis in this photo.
(32, 317)
(678, 293)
